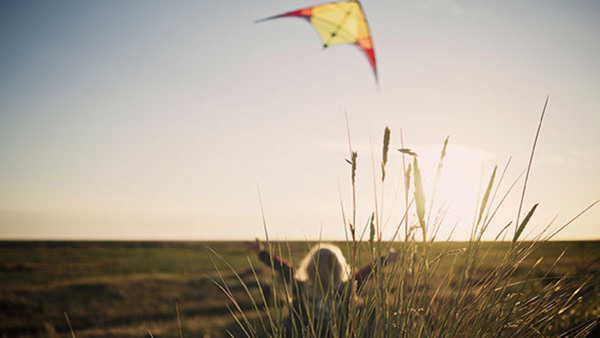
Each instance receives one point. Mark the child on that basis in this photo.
(320, 287)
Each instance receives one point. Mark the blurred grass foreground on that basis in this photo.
(126, 289)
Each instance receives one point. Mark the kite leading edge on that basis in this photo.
(337, 23)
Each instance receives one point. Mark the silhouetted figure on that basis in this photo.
(321, 286)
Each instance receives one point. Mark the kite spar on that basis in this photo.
(337, 23)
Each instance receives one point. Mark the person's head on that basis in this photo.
(323, 269)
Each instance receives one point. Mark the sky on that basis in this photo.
(186, 120)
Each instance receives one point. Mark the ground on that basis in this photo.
(136, 289)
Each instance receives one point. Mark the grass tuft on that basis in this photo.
(475, 288)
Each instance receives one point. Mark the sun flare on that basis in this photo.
(463, 176)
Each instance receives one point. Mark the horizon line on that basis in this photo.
(4, 240)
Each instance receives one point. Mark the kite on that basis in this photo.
(338, 23)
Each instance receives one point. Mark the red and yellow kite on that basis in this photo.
(339, 23)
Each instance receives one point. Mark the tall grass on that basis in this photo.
(473, 289)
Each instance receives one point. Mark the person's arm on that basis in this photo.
(281, 266)
(363, 273)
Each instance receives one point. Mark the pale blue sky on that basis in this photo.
(159, 119)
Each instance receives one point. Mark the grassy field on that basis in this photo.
(136, 289)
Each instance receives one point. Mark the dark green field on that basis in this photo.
(133, 289)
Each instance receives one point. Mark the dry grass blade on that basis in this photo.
(486, 196)
(372, 232)
(573, 219)
(524, 223)
(407, 151)
(419, 197)
(502, 231)
(384, 155)
(352, 163)
(69, 324)
(537, 134)
(448, 253)
(178, 320)
(438, 172)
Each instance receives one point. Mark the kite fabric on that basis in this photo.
(339, 23)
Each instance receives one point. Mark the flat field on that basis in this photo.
(139, 289)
